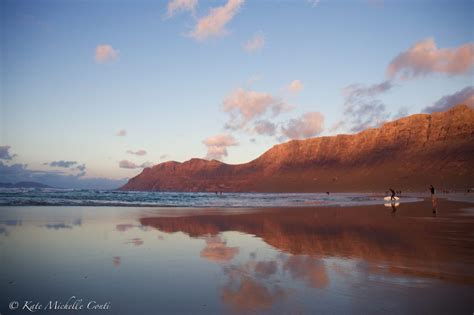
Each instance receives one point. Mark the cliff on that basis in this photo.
(409, 153)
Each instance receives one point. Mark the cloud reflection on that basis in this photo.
(244, 293)
(216, 250)
(116, 261)
(63, 225)
(312, 271)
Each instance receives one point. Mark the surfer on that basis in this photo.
(432, 190)
(392, 197)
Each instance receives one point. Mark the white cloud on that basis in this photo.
(217, 146)
(213, 24)
(130, 165)
(256, 43)
(464, 96)
(313, 3)
(354, 91)
(138, 152)
(175, 6)
(5, 154)
(105, 53)
(265, 127)
(295, 86)
(308, 125)
(65, 164)
(362, 109)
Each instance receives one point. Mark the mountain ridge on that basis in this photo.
(408, 153)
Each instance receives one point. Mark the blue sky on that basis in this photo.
(165, 82)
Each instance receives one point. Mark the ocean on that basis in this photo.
(81, 197)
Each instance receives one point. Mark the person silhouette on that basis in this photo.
(392, 197)
(432, 190)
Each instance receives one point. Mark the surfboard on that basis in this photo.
(388, 198)
(391, 204)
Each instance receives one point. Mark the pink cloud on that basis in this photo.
(213, 24)
(245, 105)
(256, 43)
(425, 58)
(217, 146)
(308, 125)
(181, 6)
(121, 133)
(105, 53)
(295, 86)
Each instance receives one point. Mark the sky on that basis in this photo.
(94, 91)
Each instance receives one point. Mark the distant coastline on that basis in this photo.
(24, 185)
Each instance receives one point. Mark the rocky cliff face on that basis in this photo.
(409, 153)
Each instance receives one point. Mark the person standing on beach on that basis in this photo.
(393, 194)
(434, 200)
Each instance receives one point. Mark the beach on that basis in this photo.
(326, 259)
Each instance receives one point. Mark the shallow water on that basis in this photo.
(366, 259)
(80, 197)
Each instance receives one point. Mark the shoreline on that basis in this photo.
(191, 207)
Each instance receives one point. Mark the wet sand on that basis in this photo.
(366, 259)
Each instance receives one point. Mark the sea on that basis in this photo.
(86, 197)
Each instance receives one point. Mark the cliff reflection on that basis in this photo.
(410, 244)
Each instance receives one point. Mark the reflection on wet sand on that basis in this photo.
(368, 259)
(412, 243)
(258, 284)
